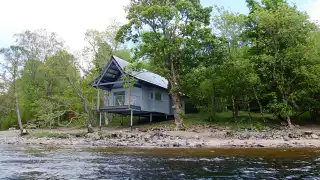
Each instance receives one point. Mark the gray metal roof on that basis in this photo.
(143, 75)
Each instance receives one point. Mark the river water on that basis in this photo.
(116, 163)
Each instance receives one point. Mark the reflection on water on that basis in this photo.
(26, 163)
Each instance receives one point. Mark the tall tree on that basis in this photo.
(14, 58)
(280, 38)
(171, 35)
(39, 43)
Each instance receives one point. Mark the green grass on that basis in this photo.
(50, 135)
(220, 119)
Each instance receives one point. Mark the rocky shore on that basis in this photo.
(161, 138)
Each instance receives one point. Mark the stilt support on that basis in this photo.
(131, 120)
(150, 118)
(100, 124)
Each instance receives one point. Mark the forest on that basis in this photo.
(264, 62)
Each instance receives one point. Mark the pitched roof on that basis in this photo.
(143, 75)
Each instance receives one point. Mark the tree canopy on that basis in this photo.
(266, 61)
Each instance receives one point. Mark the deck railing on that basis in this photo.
(134, 100)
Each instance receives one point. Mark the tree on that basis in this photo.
(71, 68)
(171, 35)
(14, 58)
(39, 43)
(279, 39)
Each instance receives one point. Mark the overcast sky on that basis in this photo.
(71, 18)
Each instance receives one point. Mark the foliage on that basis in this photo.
(172, 36)
(266, 61)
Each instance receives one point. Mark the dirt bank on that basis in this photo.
(196, 137)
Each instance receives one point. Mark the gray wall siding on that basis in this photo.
(153, 105)
(136, 94)
(147, 102)
(142, 97)
(162, 106)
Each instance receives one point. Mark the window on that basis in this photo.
(151, 94)
(119, 98)
(158, 96)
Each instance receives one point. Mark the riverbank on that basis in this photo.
(200, 136)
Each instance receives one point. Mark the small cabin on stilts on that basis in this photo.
(149, 95)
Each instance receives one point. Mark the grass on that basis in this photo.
(50, 135)
(203, 118)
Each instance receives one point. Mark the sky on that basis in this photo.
(71, 18)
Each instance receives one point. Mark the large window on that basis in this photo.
(119, 98)
(158, 96)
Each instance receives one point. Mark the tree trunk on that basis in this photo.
(107, 116)
(22, 130)
(315, 115)
(289, 122)
(177, 110)
(89, 126)
(285, 102)
(214, 104)
(235, 109)
(249, 110)
(258, 101)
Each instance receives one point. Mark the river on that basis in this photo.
(127, 163)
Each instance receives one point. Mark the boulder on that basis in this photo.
(293, 135)
(260, 145)
(286, 138)
(94, 136)
(308, 133)
(176, 144)
(198, 145)
(314, 136)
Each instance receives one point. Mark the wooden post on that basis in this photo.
(150, 118)
(98, 98)
(129, 96)
(131, 119)
(100, 121)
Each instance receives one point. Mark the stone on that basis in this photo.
(176, 144)
(308, 133)
(314, 136)
(198, 145)
(260, 145)
(94, 136)
(114, 135)
(286, 138)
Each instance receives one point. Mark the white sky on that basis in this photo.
(68, 18)
(313, 9)
(71, 18)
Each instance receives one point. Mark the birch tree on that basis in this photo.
(14, 57)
